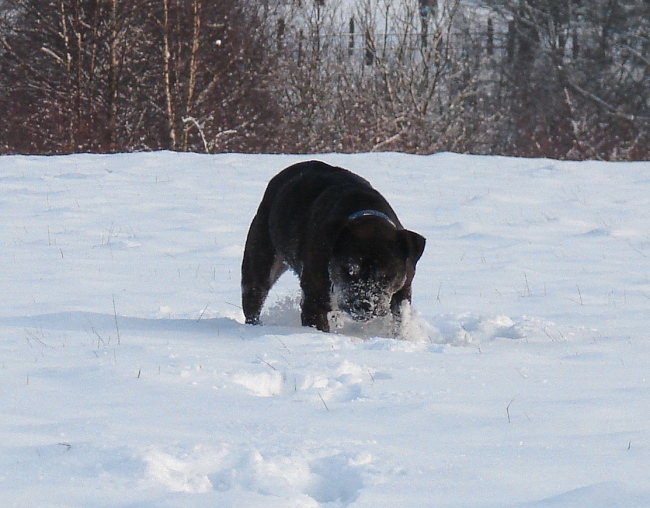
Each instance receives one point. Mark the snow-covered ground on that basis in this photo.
(127, 378)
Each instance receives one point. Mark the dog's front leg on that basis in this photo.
(316, 318)
(401, 298)
(316, 302)
(314, 312)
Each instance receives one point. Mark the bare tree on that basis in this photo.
(102, 75)
(390, 85)
(575, 81)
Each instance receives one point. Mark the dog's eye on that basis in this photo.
(353, 270)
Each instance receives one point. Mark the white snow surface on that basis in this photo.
(129, 379)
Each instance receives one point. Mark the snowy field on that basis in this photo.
(128, 379)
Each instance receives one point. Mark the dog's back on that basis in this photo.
(307, 196)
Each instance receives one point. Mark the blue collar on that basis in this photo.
(372, 213)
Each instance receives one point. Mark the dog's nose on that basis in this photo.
(362, 307)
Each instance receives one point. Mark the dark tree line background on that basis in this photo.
(556, 78)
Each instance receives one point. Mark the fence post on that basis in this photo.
(424, 21)
(490, 37)
(370, 52)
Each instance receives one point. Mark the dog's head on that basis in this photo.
(371, 261)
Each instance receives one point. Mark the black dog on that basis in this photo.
(339, 235)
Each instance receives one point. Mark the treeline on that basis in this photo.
(553, 78)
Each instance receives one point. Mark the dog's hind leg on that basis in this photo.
(261, 268)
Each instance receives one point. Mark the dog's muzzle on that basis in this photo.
(366, 307)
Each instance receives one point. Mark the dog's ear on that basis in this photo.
(413, 242)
